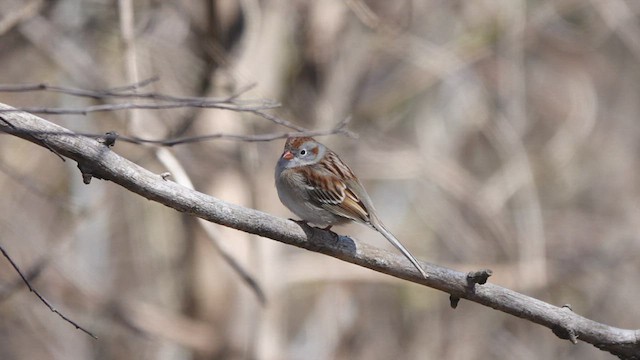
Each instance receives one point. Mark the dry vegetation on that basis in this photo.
(492, 134)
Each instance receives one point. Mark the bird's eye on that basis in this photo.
(303, 152)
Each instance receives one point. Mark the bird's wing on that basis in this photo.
(333, 194)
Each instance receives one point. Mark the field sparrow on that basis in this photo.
(317, 186)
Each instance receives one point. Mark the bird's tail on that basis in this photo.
(377, 224)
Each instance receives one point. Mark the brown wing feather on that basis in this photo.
(352, 208)
(328, 190)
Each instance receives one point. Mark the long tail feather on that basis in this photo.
(376, 224)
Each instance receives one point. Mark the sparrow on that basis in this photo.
(321, 189)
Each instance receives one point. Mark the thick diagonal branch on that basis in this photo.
(99, 161)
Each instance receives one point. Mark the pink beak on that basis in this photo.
(287, 155)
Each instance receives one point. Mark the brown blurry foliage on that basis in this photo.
(497, 134)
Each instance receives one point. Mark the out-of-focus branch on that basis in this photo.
(12, 18)
(214, 104)
(97, 160)
(42, 299)
(112, 137)
(152, 101)
(28, 276)
(131, 91)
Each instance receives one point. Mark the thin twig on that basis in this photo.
(230, 102)
(340, 128)
(32, 274)
(135, 86)
(277, 120)
(147, 106)
(126, 92)
(44, 301)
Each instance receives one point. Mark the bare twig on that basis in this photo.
(479, 277)
(42, 299)
(231, 102)
(276, 120)
(128, 92)
(246, 138)
(137, 85)
(148, 106)
(109, 166)
(340, 128)
(33, 273)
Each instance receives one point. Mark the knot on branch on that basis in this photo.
(88, 172)
(87, 169)
(453, 301)
(109, 138)
(473, 277)
(478, 277)
(565, 331)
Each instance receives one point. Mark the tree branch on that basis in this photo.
(42, 299)
(98, 160)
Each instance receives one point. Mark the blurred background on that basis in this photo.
(492, 134)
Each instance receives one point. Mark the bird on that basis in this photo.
(321, 189)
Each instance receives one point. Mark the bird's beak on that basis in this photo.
(287, 155)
